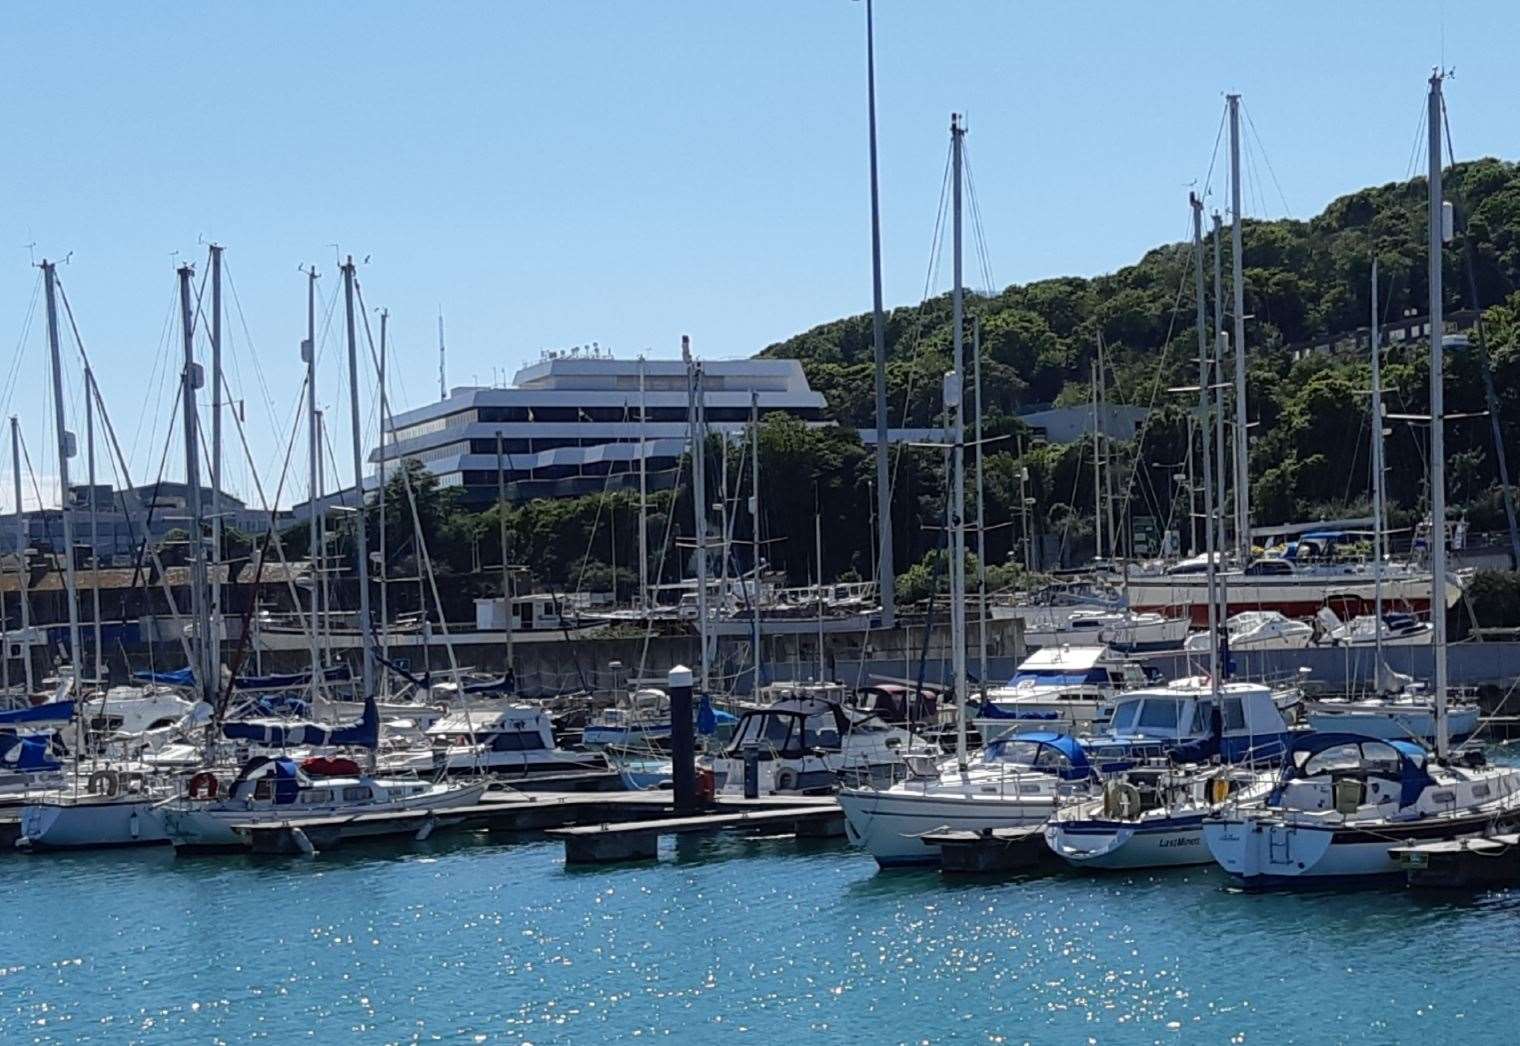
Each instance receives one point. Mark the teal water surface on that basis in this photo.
(464, 939)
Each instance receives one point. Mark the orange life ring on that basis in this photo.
(203, 785)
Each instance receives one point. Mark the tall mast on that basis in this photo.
(643, 496)
(1218, 382)
(443, 384)
(955, 400)
(1203, 428)
(981, 512)
(818, 559)
(89, 452)
(206, 654)
(1097, 466)
(23, 573)
(216, 440)
(754, 522)
(698, 493)
(1242, 467)
(886, 579)
(506, 570)
(65, 451)
(314, 440)
(1437, 420)
(361, 536)
(1377, 478)
(385, 618)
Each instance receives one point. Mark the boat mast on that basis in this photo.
(1437, 420)
(216, 443)
(1242, 466)
(954, 400)
(22, 571)
(818, 559)
(385, 618)
(506, 569)
(1203, 428)
(754, 518)
(1377, 479)
(643, 496)
(65, 451)
(1218, 382)
(1097, 467)
(361, 536)
(314, 439)
(206, 657)
(886, 579)
(89, 445)
(698, 492)
(981, 512)
(443, 386)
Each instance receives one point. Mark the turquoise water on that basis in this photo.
(463, 939)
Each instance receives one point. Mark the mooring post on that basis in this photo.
(682, 740)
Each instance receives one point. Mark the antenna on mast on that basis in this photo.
(443, 385)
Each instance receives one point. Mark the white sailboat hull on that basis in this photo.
(91, 822)
(889, 823)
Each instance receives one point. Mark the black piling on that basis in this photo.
(683, 746)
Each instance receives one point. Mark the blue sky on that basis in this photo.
(557, 173)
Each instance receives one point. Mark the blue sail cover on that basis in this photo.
(363, 734)
(52, 712)
(707, 721)
(26, 754)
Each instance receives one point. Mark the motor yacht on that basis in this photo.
(1064, 688)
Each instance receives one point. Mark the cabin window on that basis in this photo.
(317, 796)
(355, 794)
(1158, 714)
(1480, 791)
(821, 731)
(1337, 757)
(517, 742)
(1234, 714)
(159, 724)
(263, 788)
(1124, 715)
(1203, 716)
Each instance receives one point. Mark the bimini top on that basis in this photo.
(1042, 750)
(281, 734)
(1311, 755)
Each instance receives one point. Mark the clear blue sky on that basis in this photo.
(557, 173)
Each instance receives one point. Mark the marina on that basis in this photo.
(1127, 656)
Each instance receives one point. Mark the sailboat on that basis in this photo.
(1016, 780)
(1342, 800)
(1152, 813)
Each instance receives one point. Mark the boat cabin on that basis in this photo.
(1182, 720)
(516, 728)
(790, 729)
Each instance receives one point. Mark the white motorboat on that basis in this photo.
(1061, 688)
(274, 790)
(1181, 722)
(1257, 630)
(1398, 629)
(1342, 801)
(1017, 780)
(508, 740)
(810, 745)
(1408, 714)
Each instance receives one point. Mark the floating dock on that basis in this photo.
(801, 816)
(1487, 860)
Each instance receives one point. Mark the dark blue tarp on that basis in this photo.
(707, 721)
(1074, 767)
(53, 711)
(362, 734)
(26, 754)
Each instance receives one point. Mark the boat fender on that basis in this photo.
(104, 782)
(1121, 799)
(203, 785)
(785, 780)
(1219, 789)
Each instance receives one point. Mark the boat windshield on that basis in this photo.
(1124, 716)
(1374, 757)
(1159, 713)
(767, 731)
